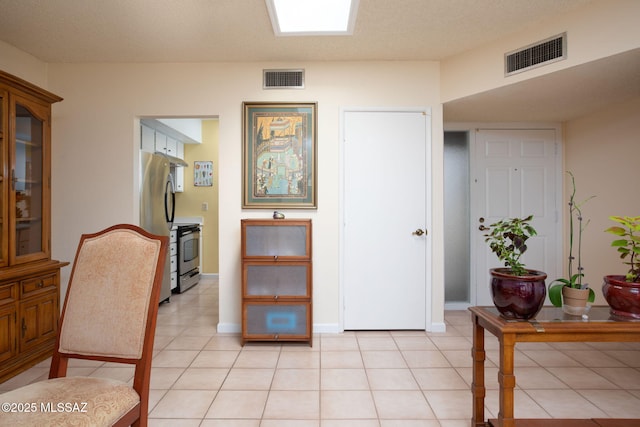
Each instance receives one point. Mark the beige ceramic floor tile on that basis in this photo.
(257, 359)
(391, 379)
(174, 358)
(299, 359)
(248, 379)
(339, 343)
(419, 343)
(342, 405)
(402, 405)
(215, 359)
(206, 379)
(201, 379)
(425, 359)
(626, 378)
(341, 359)
(344, 379)
(377, 343)
(188, 343)
(289, 405)
(439, 379)
(616, 403)
(582, 378)
(238, 404)
(450, 404)
(383, 359)
(565, 404)
(296, 379)
(183, 404)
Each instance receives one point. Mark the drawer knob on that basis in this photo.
(275, 297)
(275, 257)
(40, 284)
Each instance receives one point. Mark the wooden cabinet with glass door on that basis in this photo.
(29, 278)
(276, 280)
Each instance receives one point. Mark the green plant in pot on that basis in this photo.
(571, 293)
(622, 292)
(517, 292)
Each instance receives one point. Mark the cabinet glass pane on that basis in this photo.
(281, 280)
(276, 240)
(27, 181)
(277, 319)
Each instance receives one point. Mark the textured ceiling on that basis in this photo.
(74, 31)
(240, 30)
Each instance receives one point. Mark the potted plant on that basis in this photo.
(622, 292)
(571, 293)
(517, 292)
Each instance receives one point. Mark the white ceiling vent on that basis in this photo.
(536, 55)
(283, 79)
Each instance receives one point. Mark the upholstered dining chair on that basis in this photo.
(109, 314)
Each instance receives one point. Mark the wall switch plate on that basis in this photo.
(205, 206)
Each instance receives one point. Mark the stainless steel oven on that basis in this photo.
(188, 256)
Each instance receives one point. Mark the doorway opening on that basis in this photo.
(457, 242)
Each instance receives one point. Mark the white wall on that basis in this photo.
(23, 65)
(599, 30)
(95, 155)
(602, 151)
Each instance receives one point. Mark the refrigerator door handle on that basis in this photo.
(168, 192)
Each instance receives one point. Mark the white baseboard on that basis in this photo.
(438, 327)
(321, 328)
(229, 328)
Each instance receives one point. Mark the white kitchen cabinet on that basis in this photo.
(171, 147)
(173, 257)
(178, 178)
(161, 142)
(147, 139)
(180, 150)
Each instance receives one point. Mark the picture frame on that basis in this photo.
(279, 145)
(203, 173)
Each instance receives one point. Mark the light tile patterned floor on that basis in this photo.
(360, 379)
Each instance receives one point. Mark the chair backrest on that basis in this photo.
(111, 304)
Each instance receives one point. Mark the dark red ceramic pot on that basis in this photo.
(518, 297)
(623, 297)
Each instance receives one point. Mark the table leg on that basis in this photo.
(478, 387)
(507, 380)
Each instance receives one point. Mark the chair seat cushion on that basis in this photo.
(69, 401)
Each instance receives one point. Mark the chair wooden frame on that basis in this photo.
(136, 416)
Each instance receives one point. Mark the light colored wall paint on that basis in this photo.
(23, 65)
(189, 203)
(596, 31)
(602, 151)
(95, 154)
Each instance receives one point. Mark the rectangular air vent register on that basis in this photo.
(283, 79)
(536, 55)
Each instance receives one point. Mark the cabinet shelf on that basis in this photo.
(276, 280)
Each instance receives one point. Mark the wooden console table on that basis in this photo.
(550, 325)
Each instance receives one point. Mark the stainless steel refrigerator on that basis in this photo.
(157, 204)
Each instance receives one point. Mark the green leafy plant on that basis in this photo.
(628, 245)
(507, 239)
(574, 280)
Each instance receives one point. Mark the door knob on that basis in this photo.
(483, 228)
(419, 232)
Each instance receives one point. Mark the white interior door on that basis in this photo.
(516, 175)
(384, 261)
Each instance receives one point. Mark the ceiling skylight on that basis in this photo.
(312, 17)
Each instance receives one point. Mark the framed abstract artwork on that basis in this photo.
(279, 142)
